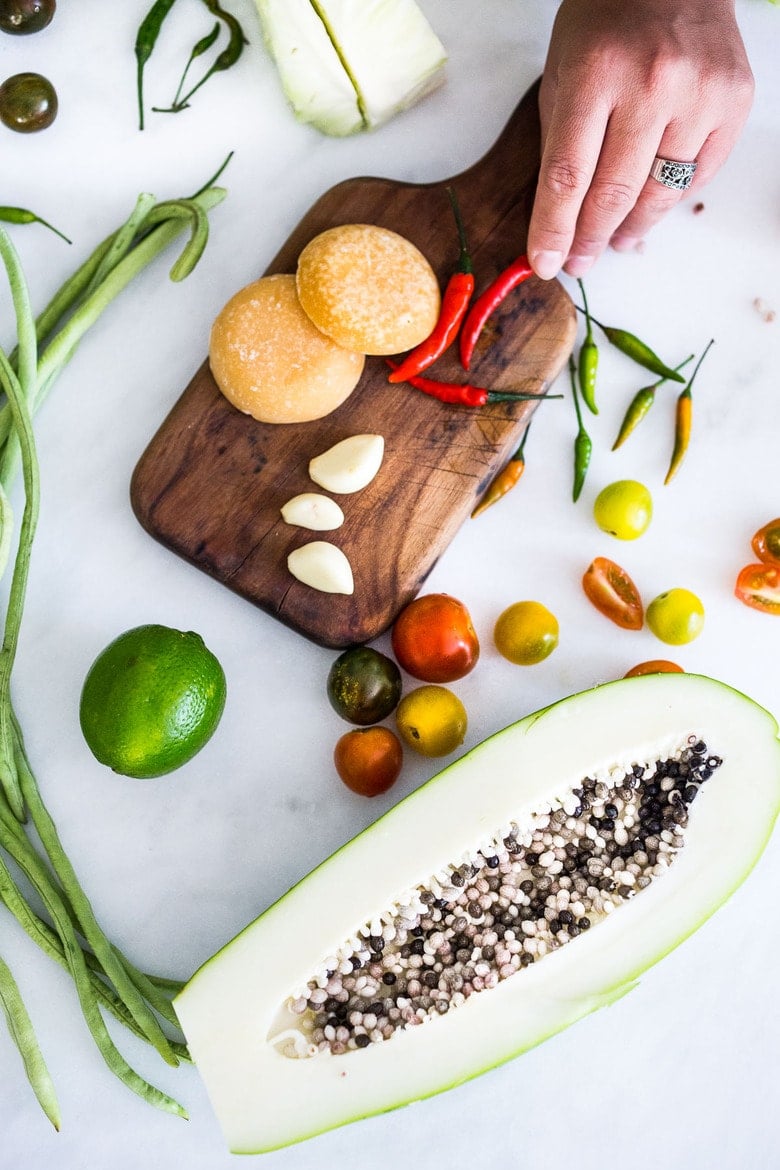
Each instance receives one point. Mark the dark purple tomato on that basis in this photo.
(28, 102)
(20, 17)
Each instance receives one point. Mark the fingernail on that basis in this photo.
(626, 243)
(547, 264)
(579, 265)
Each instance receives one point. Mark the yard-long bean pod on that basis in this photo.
(22, 215)
(103, 977)
(50, 943)
(23, 1035)
(82, 309)
(125, 981)
(121, 241)
(18, 402)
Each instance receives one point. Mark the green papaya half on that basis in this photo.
(580, 846)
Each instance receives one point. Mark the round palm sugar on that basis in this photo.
(271, 362)
(368, 288)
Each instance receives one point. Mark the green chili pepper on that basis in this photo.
(639, 406)
(637, 350)
(199, 48)
(588, 360)
(146, 39)
(683, 421)
(22, 215)
(229, 55)
(583, 445)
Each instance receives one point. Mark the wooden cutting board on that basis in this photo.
(211, 482)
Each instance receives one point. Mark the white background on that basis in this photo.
(682, 1073)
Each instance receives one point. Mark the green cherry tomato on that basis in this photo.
(20, 17)
(526, 633)
(28, 102)
(624, 509)
(364, 686)
(676, 616)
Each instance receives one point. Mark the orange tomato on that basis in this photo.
(434, 640)
(654, 666)
(369, 760)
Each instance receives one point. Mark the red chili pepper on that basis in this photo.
(487, 303)
(464, 394)
(455, 302)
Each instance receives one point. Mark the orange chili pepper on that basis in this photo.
(507, 478)
(683, 421)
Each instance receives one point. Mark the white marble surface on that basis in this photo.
(683, 1072)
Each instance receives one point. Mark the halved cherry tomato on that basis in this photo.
(434, 640)
(759, 587)
(613, 593)
(654, 666)
(369, 760)
(766, 543)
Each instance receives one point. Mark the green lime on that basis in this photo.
(623, 509)
(151, 700)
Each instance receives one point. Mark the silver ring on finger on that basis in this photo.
(678, 176)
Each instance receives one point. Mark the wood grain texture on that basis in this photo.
(212, 481)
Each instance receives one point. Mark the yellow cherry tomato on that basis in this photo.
(676, 616)
(432, 720)
(526, 633)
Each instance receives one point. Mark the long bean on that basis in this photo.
(23, 1036)
(50, 943)
(84, 988)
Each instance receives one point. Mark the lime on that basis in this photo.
(624, 509)
(151, 700)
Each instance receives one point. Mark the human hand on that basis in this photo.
(623, 83)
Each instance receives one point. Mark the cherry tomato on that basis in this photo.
(21, 17)
(526, 633)
(364, 686)
(369, 760)
(654, 666)
(676, 616)
(623, 509)
(432, 720)
(766, 543)
(433, 639)
(759, 587)
(613, 593)
(28, 102)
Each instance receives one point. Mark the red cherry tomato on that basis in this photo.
(369, 760)
(759, 587)
(766, 543)
(654, 666)
(434, 640)
(613, 593)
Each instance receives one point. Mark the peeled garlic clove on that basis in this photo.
(350, 465)
(323, 566)
(311, 510)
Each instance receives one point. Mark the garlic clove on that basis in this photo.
(314, 511)
(350, 465)
(323, 566)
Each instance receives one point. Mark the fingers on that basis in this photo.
(655, 200)
(572, 144)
